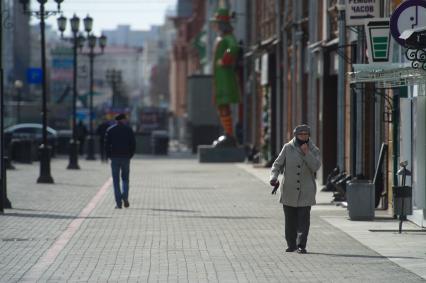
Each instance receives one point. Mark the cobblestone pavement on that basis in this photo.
(187, 222)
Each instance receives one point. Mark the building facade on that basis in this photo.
(299, 58)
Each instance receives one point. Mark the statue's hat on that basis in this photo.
(221, 15)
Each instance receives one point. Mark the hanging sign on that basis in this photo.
(411, 14)
(378, 41)
(357, 11)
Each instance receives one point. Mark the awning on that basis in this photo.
(387, 75)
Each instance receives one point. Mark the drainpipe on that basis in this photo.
(395, 135)
(359, 107)
(300, 63)
(278, 93)
(312, 101)
(246, 75)
(294, 98)
(255, 118)
(341, 89)
(285, 71)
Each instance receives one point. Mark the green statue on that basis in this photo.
(226, 89)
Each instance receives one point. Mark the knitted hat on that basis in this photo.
(121, 116)
(301, 128)
(221, 15)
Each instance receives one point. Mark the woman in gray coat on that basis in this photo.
(299, 159)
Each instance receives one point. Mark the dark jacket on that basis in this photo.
(120, 141)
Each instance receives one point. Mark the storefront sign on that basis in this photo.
(357, 11)
(410, 14)
(378, 41)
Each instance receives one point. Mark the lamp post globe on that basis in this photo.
(80, 41)
(62, 24)
(75, 24)
(102, 42)
(88, 24)
(92, 41)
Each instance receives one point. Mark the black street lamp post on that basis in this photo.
(2, 163)
(76, 41)
(91, 40)
(42, 14)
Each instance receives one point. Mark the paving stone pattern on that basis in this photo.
(187, 222)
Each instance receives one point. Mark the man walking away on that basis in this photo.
(120, 148)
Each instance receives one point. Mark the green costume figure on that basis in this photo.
(226, 89)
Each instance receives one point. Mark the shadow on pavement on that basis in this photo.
(76, 185)
(223, 217)
(362, 256)
(169, 210)
(193, 188)
(171, 155)
(48, 216)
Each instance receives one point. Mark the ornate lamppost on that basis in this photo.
(76, 41)
(91, 40)
(42, 14)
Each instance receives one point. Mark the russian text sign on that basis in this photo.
(357, 11)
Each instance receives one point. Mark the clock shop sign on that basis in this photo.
(410, 15)
(357, 11)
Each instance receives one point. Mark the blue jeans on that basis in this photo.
(120, 165)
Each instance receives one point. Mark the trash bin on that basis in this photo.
(160, 142)
(63, 141)
(402, 200)
(360, 195)
(22, 150)
(143, 143)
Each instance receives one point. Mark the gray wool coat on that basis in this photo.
(298, 187)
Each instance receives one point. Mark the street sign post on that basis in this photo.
(34, 76)
(357, 11)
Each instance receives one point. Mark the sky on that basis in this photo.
(107, 14)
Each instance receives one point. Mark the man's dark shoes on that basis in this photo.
(117, 207)
(301, 250)
(126, 203)
(290, 250)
